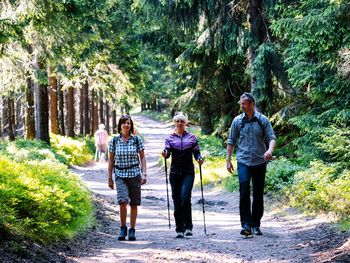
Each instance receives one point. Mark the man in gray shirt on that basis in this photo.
(252, 132)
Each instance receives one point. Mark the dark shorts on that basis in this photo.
(128, 190)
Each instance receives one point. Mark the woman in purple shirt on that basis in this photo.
(181, 145)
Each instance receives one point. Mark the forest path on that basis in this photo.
(285, 238)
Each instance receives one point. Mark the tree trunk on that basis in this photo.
(87, 120)
(154, 103)
(143, 106)
(11, 118)
(94, 113)
(258, 34)
(114, 121)
(206, 123)
(70, 112)
(30, 111)
(5, 116)
(107, 117)
(42, 107)
(81, 111)
(60, 96)
(19, 128)
(102, 119)
(53, 101)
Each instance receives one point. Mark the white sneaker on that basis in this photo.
(188, 233)
(179, 235)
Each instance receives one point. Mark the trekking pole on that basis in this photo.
(200, 175)
(167, 190)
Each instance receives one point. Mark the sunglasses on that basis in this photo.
(180, 112)
(249, 96)
(179, 121)
(124, 116)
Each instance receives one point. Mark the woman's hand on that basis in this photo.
(200, 161)
(143, 179)
(164, 153)
(110, 182)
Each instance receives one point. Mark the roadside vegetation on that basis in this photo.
(40, 199)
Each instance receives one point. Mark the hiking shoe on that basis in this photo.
(188, 233)
(131, 235)
(123, 232)
(257, 231)
(179, 235)
(246, 230)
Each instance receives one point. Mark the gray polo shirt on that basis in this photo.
(251, 139)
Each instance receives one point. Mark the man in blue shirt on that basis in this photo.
(252, 132)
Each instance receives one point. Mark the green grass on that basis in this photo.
(344, 224)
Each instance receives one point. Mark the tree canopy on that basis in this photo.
(189, 55)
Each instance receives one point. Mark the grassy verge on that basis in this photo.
(39, 198)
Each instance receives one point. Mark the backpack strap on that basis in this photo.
(243, 122)
(136, 143)
(263, 130)
(137, 147)
(113, 142)
(261, 125)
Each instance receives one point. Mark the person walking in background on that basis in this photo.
(101, 142)
(181, 145)
(125, 153)
(255, 139)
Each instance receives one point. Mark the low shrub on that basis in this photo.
(71, 151)
(42, 201)
(279, 175)
(338, 195)
(211, 146)
(311, 188)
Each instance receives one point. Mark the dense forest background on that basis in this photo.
(66, 66)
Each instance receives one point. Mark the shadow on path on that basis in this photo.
(156, 243)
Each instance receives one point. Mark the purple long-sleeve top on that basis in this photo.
(181, 149)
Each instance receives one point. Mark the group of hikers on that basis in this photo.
(251, 132)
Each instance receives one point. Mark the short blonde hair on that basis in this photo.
(180, 116)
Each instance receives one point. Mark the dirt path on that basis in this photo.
(287, 238)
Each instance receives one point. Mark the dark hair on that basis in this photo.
(122, 120)
(249, 97)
